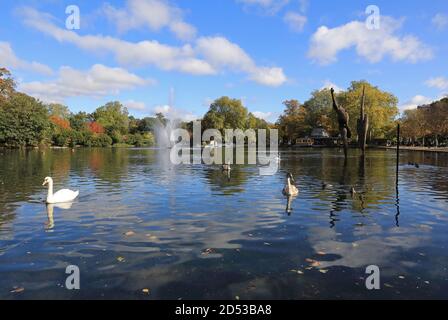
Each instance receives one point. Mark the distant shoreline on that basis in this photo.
(428, 149)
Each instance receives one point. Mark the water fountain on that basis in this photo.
(163, 133)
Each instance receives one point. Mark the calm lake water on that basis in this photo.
(189, 231)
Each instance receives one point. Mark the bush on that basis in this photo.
(61, 138)
(99, 140)
(140, 140)
(116, 136)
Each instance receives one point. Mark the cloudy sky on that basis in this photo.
(177, 56)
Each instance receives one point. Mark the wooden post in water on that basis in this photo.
(363, 124)
(397, 204)
(398, 152)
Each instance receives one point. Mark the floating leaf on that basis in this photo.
(323, 271)
(321, 253)
(129, 233)
(207, 251)
(145, 291)
(237, 297)
(121, 259)
(17, 290)
(401, 277)
(313, 262)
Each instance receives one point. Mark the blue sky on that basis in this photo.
(177, 56)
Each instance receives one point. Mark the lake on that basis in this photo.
(192, 232)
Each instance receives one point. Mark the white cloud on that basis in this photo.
(440, 21)
(268, 6)
(295, 21)
(416, 101)
(273, 77)
(439, 83)
(207, 102)
(10, 60)
(98, 81)
(221, 53)
(262, 115)
(217, 53)
(126, 53)
(372, 45)
(174, 113)
(152, 14)
(135, 105)
(328, 85)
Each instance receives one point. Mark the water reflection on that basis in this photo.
(171, 225)
(289, 200)
(50, 213)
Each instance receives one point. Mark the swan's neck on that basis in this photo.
(289, 183)
(50, 190)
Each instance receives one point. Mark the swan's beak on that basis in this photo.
(45, 182)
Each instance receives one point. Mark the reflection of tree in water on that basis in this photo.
(225, 182)
(109, 164)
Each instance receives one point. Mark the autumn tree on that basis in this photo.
(291, 123)
(380, 106)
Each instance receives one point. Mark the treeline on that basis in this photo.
(26, 121)
(298, 120)
(426, 125)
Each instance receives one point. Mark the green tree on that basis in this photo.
(225, 113)
(7, 85)
(23, 121)
(147, 124)
(319, 111)
(59, 110)
(79, 121)
(112, 116)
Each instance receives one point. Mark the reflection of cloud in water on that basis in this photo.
(374, 248)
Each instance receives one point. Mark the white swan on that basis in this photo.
(64, 195)
(290, 189)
